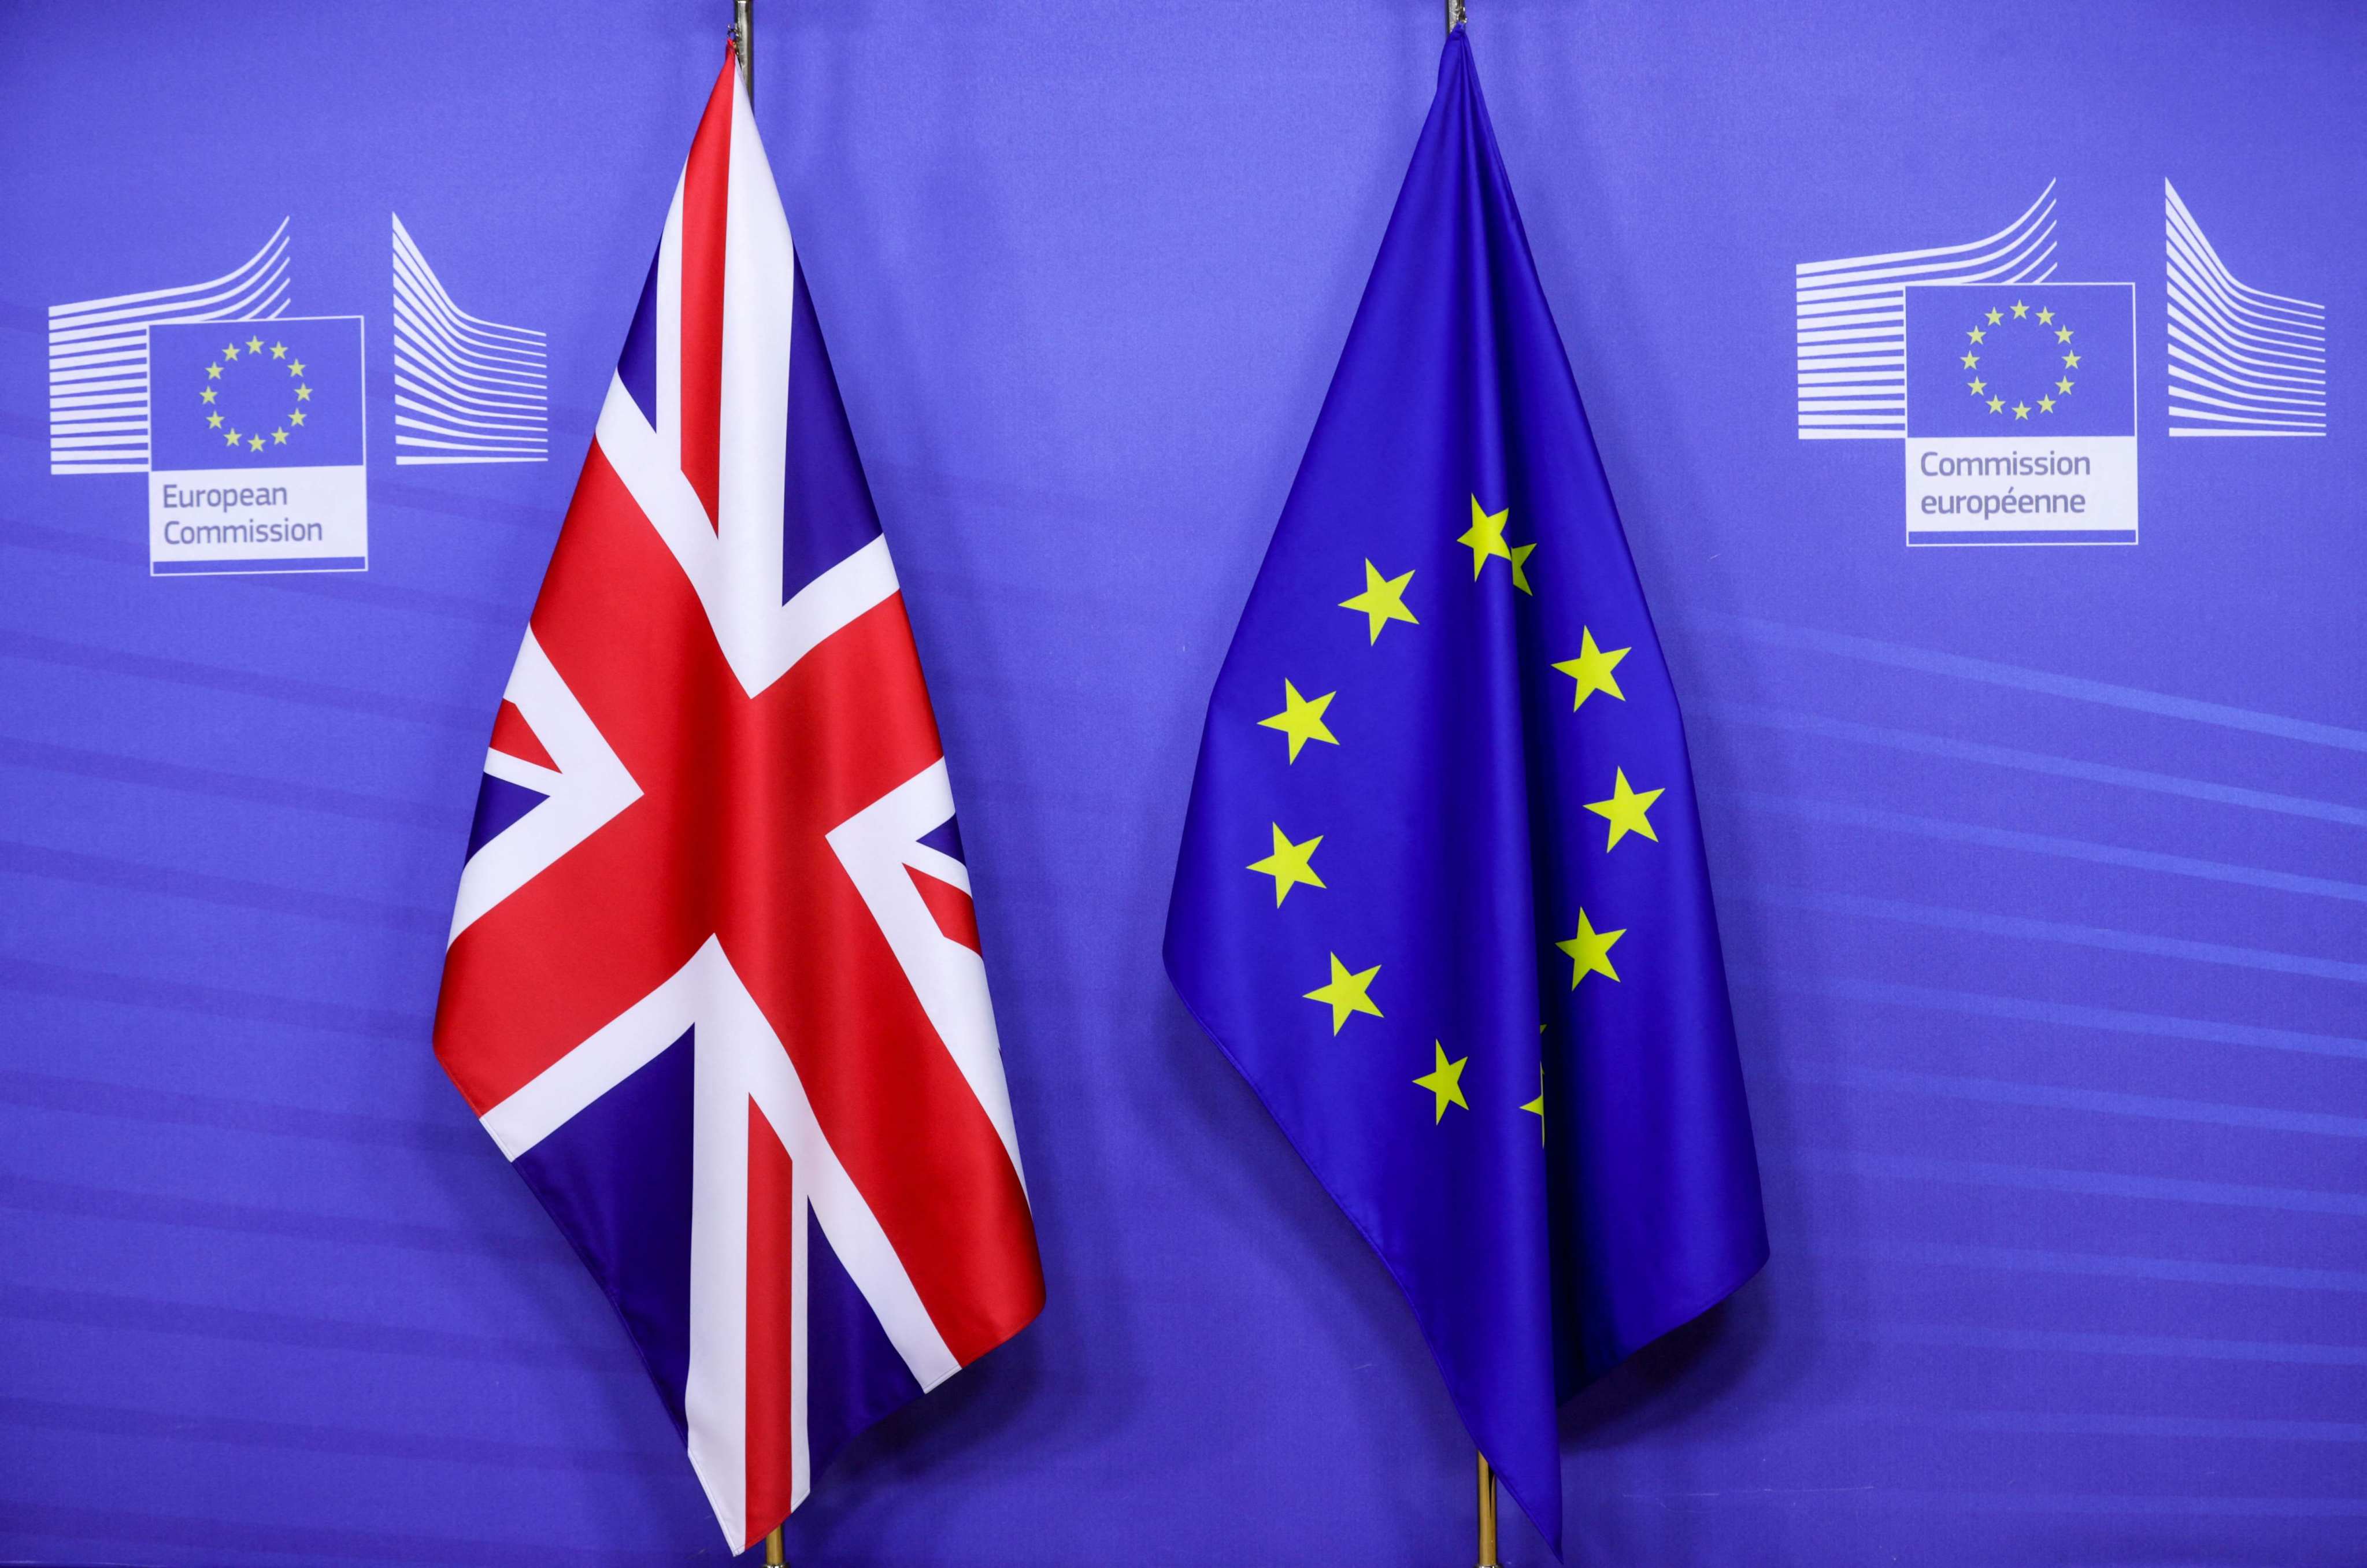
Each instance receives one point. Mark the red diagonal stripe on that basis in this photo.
(952, 908)
(513, 735)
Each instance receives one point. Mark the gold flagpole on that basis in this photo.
(1487, 1515)
(744, 33)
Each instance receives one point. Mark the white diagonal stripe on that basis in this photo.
(589, 788)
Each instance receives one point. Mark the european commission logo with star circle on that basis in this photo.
(2021, 414)
(1999, 338)
(249, 404)
(257, 456)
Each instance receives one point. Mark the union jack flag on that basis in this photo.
(714, 983)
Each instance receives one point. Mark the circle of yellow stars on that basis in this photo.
(253, 351)
(1305, 720)
(1978, 336)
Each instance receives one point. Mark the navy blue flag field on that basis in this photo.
(1441, 897)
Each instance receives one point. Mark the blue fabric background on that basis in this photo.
(2040, 871)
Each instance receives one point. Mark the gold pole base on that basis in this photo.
(1487, 1515)
(774, 1556)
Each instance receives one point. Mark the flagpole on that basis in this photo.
(1455, 18)
(1487, 1515)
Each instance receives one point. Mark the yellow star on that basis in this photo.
(1287, 865)
(279, 438)
(296, 418)
(1444, 1082)
(1977, 385)
(232, 439)
(2063, 334)
(1624, 810)
(213, 422)
(1994, 318)
(1486, 537)
(2071, 361)
(255, 346)
(1589, 951)
(2064, 384)
(230, 351)
(1382, 601)
(2020, 310)
(1971, 359)
(278, 350)
(1521, 559)
(2046, 405)
(1301, 718)
(206, 395)
(1996, 405)
(303, 394)
(2021, 411)
(2044, 317)
(295, 367)
(1538, 1105)
(1592, 669)
(213, 372)
(1345, 993)
(254, 443)
(1976, 334)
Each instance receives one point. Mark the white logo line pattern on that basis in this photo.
(466, 390)
(98, 357)
(2242, 361)
(1850, 321)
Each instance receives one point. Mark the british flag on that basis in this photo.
(714, 983)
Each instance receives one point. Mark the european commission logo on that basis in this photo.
(249, 422)
(2014, 394)
(2021, 414)
(255, 445)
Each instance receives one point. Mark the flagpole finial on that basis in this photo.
(744, 36)
(1455, 16)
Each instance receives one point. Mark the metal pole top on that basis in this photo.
(744, 34)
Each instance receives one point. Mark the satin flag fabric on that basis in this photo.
(1441, 895)
(714, 983)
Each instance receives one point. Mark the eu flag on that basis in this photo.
(1441, 895)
